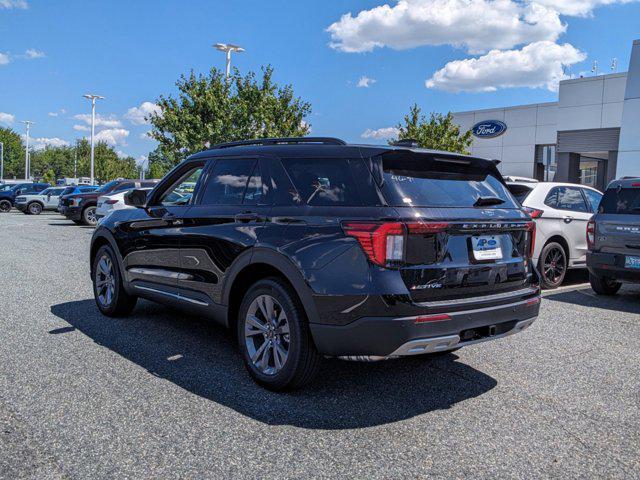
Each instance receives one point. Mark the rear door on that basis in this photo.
(225, 220)
(570, 207)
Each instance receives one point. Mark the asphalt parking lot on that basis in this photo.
(163, 395)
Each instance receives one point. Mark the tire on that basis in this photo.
(284, 337)
(604, 286)
(5, 206)
(552, 265)
(105, 274)
(89, 216)
(34, 208)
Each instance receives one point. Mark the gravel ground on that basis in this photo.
(165, 396)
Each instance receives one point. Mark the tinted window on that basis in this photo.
(68, 190)
(227, 182)
(107, 187)
(420, 180)
(621, 200)
(321, 181)
(566, 198)
(593, 198)
(520, 192)
(254, 194)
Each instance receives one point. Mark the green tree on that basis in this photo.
(211, 109)
(13, 153)
(159, 164)
(438, 133)
(49, 177)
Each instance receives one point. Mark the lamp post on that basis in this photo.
(228, 48)
(27, 163)
(1, 161)
(93, 98)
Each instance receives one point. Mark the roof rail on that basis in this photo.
(406, 142)
(282, 141)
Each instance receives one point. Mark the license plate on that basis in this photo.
(632, 262)
(486, 247)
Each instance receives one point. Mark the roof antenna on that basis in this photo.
(614, 65)
(594, 69)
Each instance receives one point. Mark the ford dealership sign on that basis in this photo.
(489, 129)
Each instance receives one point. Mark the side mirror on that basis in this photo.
(136, 198)
(19, 191)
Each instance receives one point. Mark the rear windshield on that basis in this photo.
(423, 181)
(621, 201)
(520, 192)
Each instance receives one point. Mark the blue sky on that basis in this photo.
(508, 53)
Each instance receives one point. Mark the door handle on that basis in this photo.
(246, 217)
(568, 219)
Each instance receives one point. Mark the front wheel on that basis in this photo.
(552, 265)
(89, 216)
(5, 206)
(34, 208)
(603, 286)
(274, 337)
(108, 289)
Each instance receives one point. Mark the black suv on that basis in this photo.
(8, 193)
(613, 238)
(311, 247)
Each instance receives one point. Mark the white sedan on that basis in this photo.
(115, 201)
(561, 212)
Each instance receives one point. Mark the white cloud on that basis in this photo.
(478, 26)
(381, 133)
(7, 118)
(32, 53)
(107, 122)
(81, 128)
(578, 8)
(22, 4)
(145, 136)
(43, 142)
(138, 115)
(4, 58)
(535, 66)
(113, 136)
(365, 82)
(53, 114)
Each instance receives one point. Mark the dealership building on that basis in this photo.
(591, 135)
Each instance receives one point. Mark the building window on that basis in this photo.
(546, 157)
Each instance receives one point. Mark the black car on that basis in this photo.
(312, 247)
(8, 193)
(613, 238)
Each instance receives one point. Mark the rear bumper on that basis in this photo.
(73, 213)
(382, 337)
(611, 265)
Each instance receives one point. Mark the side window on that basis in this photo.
(323, 181)
(552, 198)
(594, 199)
(227, 182)
(570, 198)
(254, 193)
(181, 191)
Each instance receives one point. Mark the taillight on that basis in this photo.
(591, 234)
(531, 228)
(384, 243)
(111, 202)
(533, 212)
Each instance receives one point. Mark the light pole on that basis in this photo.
(93, 99)
(27, 164)
(1, 161)
(228, 48)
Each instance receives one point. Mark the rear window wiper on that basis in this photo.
(484, 201)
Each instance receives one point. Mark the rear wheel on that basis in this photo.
(274, 337)
(108, 289)
(89, 216)
(552, 265)
(5, 206)
(604, 286)
(34, 208)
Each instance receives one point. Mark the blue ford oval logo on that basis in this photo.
(489, 129)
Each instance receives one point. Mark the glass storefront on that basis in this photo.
(547, 163)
